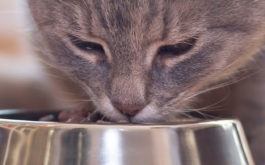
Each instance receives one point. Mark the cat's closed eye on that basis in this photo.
(177, 49)
(86, 46)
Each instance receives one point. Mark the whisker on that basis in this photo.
(221, 85)
(86, 4)
(211, 107)
(187, 115)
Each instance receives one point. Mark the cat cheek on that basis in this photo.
(92, 59)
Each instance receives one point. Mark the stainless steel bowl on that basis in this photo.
(220, 142)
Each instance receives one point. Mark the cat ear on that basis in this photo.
(39, 10)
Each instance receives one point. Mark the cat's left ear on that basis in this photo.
(40, 10)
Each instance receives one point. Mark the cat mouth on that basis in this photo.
(88, 117)
(81, 117)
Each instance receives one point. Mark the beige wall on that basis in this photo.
(22, 84)
(10, 28)
(16, 59)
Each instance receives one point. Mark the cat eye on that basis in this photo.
(177, 49)
(86, 46)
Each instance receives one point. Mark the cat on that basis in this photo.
(150, 60)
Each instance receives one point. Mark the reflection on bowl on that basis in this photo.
(220, 142)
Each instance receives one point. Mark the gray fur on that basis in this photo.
(229, 34)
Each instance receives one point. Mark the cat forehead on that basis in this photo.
(136, 22)
(127, 13)
(143, 19)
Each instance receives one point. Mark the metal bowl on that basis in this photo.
(220, 142)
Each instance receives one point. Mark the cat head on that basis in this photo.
(144, 59)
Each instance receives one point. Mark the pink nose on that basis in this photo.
(129, 110)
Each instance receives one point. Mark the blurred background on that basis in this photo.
(22, 81)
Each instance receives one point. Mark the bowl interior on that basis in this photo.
(31, 115)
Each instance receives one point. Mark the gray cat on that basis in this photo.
(150, 60)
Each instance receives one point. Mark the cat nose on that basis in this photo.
(128, 110)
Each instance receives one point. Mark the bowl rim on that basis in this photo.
(182, 123)
(197, 124)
